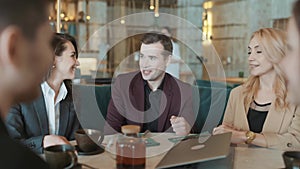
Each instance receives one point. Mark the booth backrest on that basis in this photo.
(213, 101)
(103, 95)
(206, 92)
(207, 83)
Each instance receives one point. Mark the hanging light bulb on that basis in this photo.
(62, 15)
(66, 18)
(72, 18)
(156, 13)
(151, 4)
(88, 17)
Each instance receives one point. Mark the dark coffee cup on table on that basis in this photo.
(291, 159)
(61, 156)
(88, 140)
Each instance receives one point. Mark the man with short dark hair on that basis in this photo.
(151, 98)
(25, 57)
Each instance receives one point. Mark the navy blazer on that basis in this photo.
(28, 122)
(127, 103)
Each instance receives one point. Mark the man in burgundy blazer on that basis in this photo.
(151, 98)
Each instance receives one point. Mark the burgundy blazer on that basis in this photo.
(127, 103)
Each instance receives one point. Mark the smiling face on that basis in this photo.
(258, 63)
(67, 63)
(291, 63)
(152, 61)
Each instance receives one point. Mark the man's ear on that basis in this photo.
(169, 59)
(10, 45)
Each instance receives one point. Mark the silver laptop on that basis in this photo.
(190, 151)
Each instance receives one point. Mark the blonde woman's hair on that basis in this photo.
(272, 43)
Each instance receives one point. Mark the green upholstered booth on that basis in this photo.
(213, 100)
(103, 95)
(207, 83)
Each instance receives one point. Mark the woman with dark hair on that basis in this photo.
(258, 112)
(51, 119)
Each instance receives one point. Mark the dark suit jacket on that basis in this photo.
(127, 103)
(29, 122)
(16, 156)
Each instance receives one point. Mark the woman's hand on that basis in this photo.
(50, 140)
(237, 137)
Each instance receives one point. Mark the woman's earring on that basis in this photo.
(53, 66)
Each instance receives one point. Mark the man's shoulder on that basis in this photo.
(15, 155)
(127, 79)
(179, 82)
(136, 78)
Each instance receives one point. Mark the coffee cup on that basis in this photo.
(61, 156)
(88, 140)
(291, 159)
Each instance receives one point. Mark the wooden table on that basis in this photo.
(245, 157)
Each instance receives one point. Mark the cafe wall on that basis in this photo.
(233, 21)
(226, 24)
(190, 10)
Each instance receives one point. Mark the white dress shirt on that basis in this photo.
(52, 107)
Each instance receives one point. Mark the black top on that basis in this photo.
(257, 115)
(152, 106)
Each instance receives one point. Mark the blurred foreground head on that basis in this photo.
(25, 51)
(291, 63)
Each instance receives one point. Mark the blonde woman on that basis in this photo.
(257, 112)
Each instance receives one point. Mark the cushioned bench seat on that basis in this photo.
(213, 102)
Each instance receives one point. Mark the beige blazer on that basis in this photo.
(281, 128)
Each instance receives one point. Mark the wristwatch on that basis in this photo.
(250, 137)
